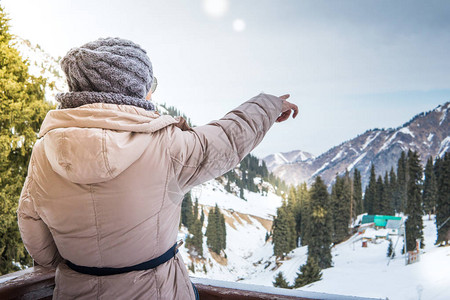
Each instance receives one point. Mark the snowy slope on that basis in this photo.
(364, 271)
(247, 223)
(357, 271)
(213, 192)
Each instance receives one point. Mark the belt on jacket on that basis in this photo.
(150, 264)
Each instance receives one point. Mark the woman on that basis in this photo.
(102, 198)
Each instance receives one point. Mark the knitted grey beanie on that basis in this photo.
(110, 70)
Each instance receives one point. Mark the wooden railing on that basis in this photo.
(39, 282)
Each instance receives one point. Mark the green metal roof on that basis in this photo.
(379, 220)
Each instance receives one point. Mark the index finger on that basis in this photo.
(295, 108)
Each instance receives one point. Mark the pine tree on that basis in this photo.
(377, 206)
(309, 273)
(196, 210)
(192, 267)
(195, 229)
(280, 281)
(303, 193)
(386, 200)
(284, 236)
(211, 231)
(429, 194)
(241, 193)
(187, 216)
(221, 230)
(437, 169)
(294, 205)
(22, 110)
(347, 205)
(294, 208)
(340, 207)
(390, 250)
(401, 181)
(371, 193)
(334, 201)
(357, 193)
(202, 218)
(414, 226)
(443, 199)
(216, 230)
(227, 186)
(320, 227)
(196, 240)
(394, 191)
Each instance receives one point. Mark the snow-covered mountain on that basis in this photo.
(427, 133)
(281, 158)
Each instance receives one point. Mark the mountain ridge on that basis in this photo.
(427, 132)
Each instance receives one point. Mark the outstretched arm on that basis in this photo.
(208, 151)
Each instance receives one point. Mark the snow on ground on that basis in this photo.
(255, 204)
(357, 271)
(339, 155)
(388, 142)
(353, 164)
(406, 130)
(442, 118)
(364, 271)
(247, 223)
(245, 246)
(369, 140)
(445, 144)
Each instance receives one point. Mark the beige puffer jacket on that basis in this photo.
(105, 185)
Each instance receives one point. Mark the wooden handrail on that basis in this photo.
(38, 283)
(32, 283)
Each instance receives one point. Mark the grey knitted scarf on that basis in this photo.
(76, 99)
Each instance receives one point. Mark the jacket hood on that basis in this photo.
(96, 142)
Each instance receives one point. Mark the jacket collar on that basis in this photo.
(109, 116)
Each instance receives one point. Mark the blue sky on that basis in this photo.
(349, 65)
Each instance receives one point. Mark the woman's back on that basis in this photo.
(105, 185)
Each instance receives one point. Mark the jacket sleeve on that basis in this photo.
(35, 234)
(206, 152)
